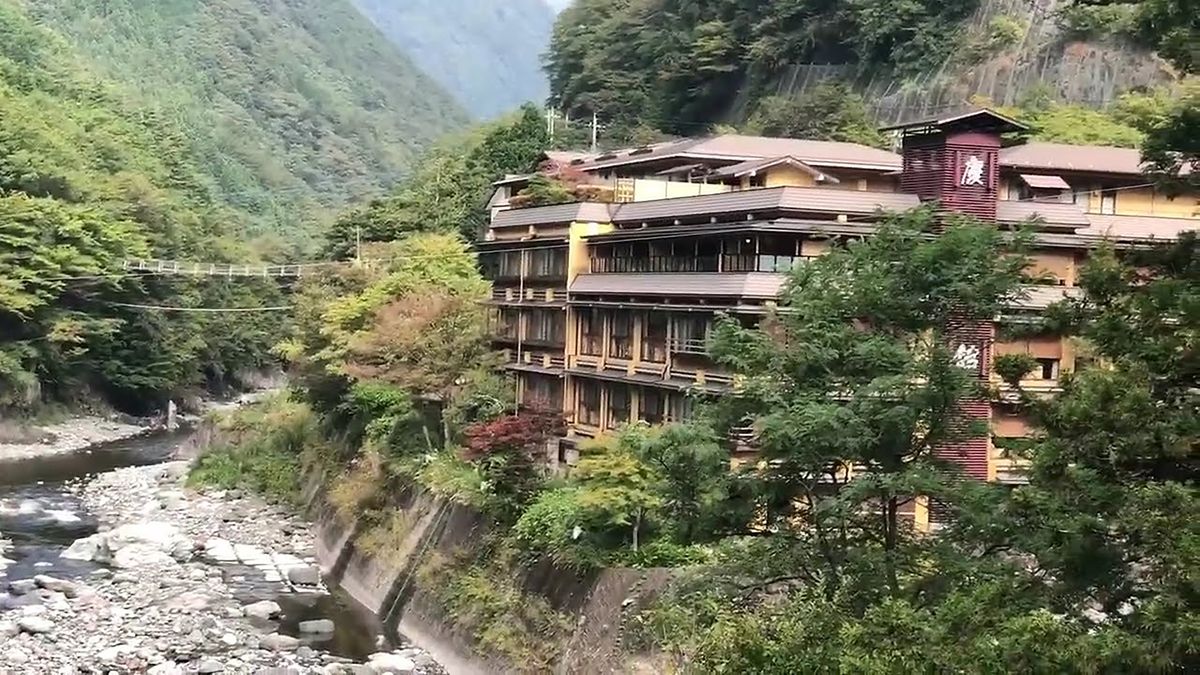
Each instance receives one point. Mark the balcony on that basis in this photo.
(656, 264)
(696, 346)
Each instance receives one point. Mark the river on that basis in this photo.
(47, 503)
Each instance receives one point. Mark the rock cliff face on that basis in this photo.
(486, 54)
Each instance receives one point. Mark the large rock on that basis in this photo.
(8, 629)
(22, 586)
(279, 643)
(141, 555)
(104, 547)
(93, 548)
(384, 662)
(317, 626)
(8, 602)
(305, 576)
(263, 609)
(166, 668)
(35, 624)
(67, 588)
(210, 666)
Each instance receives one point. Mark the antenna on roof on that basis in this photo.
(595, 129)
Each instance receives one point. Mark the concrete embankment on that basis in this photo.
(597, 604)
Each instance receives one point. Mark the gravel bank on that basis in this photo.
(77, 433)
(163, 600)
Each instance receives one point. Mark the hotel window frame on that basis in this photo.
(620, 405)
(589, 416)
(662, 405)
(591, 332)
(654, 346)
(620, 335)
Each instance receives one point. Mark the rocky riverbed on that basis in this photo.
(72, 435)
(179, 581)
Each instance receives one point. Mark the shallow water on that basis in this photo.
(42, 516)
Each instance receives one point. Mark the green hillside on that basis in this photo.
(292, 107)
(682, 66)
(89, 179)
(485, 53)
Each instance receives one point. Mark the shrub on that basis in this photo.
(263, 451)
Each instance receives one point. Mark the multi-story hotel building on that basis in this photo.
(604, 308)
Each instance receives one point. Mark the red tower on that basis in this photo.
(955, 161)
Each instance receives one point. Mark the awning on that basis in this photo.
(1039, 182)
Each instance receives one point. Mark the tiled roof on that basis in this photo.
(803, 199)
(705, 284)
(735, 147)
(751, 167)
(1054, 213)
(1138, 227)
(554, 214)
(1062, 157)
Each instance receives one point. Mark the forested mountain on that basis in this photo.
(485, 52)
(293, 107)
(683, 65)
(89, 180)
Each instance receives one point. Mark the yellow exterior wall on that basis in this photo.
(1146, 201)
(1059, 264)
(788, 175)
(646, 189)
(814, 247)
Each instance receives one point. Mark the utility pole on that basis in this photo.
(550, 122)
(357, 245)
(595, 129)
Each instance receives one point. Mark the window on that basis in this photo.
(618, 405)
(758, 181)
(588, 406)
(654, 336)
(542, 392)
(653, 408)
(680, 408)
(508, 322)
(548, 327)
(1048, 369)
(510, 265)
(489, 265)
(589, 332)
(691, 334)
(1108, 202)
(620, 344)
(548, 263)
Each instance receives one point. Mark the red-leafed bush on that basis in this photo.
(519, 433)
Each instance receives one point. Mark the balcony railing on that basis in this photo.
(761, 263)
(657, 263)
(688, 346)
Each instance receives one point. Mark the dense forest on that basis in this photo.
(88, 180)
(484, 53)
(293, 107)
(678, 66)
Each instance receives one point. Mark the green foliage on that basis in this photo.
(1012, 368)
(262, 452)
(1091, 567)
(88, 180)
(1172, 147)
(483, 598)
(682, 64)
(828, 112)
(447, 475)
(1170, 27)
(291, 109)
(640, 497)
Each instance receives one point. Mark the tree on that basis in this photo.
(1172, 148)
(852, 391)
(1110, 513)
(829, 112)
(505, 450)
